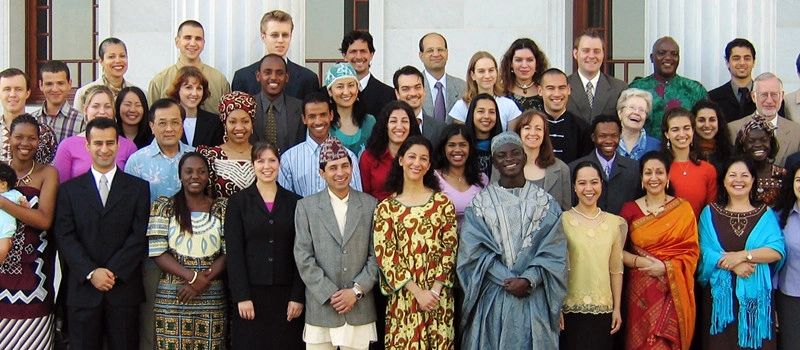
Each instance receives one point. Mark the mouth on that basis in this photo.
(608, 149)
(399, 133)
(759, 153)
(457, 156)
(118, 67)
(588, 195)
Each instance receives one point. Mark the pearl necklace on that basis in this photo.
(599, 211)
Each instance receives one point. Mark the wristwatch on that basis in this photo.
(749, 256)
(357, 291)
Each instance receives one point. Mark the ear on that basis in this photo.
(575, 54)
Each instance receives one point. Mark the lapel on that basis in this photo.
(729, 95)
(616, 167)
(601, 94)
(255, 197)
(327, 218)
(260, 122)
(292, 122)
(353, 216)
(116, 193)
(452, 94)
(203, 127)
(550, 177)
(427, 104)
(578, 90)
(89, 186)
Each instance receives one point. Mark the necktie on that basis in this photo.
(438, 105)
(744, 96)
(271, 126)
(590, 93)
(607, 170)
(103, 189)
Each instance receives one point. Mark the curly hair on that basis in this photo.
(394, 182)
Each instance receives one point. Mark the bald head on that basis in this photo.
(665, 57)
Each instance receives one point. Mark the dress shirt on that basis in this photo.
(643, 145)
(432, 85)
(419, 120)
(594, 81)
(299, 171)
(189, 127)
(789, 275)
(339, 206)
(67, 122)
(606, 164)
(735, 88)
(109, 176)
(161, 171)
(364, 82)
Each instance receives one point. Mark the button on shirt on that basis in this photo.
(300, 169)
(789, 275)
(161, 171)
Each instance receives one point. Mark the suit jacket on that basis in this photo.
(787, 134)
(329, 260)
(291, 131)
(622, 186)
(432, 129)
(375, 96)
(454, 89)
(606, 94)
(302, 80)
(729, 103)
(208, 131)
(791, 102)
(91, 236)
(259, 243)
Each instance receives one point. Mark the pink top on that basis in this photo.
(72, 158)
(461, 199)
(269, 205)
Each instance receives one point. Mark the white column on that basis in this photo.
(5, 37)
(703, 28)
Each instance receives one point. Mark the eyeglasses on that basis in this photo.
(431, 51)
(639, 110)
(764, 95)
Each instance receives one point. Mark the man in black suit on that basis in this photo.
(276, 34)
(620, 173)
(733, 97)
(357, 49)
(278, 116)
(100, 225)
(409, 86)
(589, 53)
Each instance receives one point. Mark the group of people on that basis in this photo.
(521, 208)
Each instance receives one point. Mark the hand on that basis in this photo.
(246, 310)
(201, 283)
(293, 310)
(744, 270)
(102, 279)
(343, 300)
(426, 299)
(561, 321)
(653, 267)
(731, 259)
(518, 287)
(187, 293)
(616, 321)
(23, 202)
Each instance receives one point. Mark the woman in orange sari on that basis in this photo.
(661, 258)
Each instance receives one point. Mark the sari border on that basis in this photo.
(669, 206)
(679, 306)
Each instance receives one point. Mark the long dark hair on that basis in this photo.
(378, 141)
(545, 158)
(787, 198)
(507, 76)
(394, 182)
(143, 129)
(722, 193)
(359, 114)
(470, 121)
(694, 153)
(472, 170)
(182, 213)
(662, 157)
(722, 140)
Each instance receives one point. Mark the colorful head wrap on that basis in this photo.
(340, 71)
(236, 100)
(757, 123)
(332, 149)
(504, 138)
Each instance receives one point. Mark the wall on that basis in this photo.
(788, 32)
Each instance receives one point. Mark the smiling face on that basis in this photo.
(633, 113)
(190, 42)
(768, 95)
(191, 93)
(523, 63)
(167, 126)
(415, 163)
(410, 90)
(555, 91)
(194, 175)
(707, 123)
(266, 166)
(13, 94)
(55, 87)
(273, 76)
(277, 37)
(679, 132)
(114, 61)
(102, 146)
(532, 134)
(318, 117)
(757, 144)
(741, 62)
(485, 75)
(434, 53)
(606, 139)
(665, 57)
(796, 185)
(484, 118)
(509, 159)
(359, 56)
(23, 141)
(344, 92)
(654, 177)
(738, 180)
(456, 150)
(337, 174)
(589, 55)
(239, 126)
(100, 105)
(399, 126)
(588, 186)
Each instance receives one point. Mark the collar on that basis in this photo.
(585, 80)
(335, 199)
(603, 160)
(109, 175)
(432, 80)
(795, 209)
(179, 64)
(63, 111)
(309, 142)
(364, 81)
(265, 101)
(420, 120)
(153, 149)
(736, 86)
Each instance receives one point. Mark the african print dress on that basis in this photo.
(200, 323)
(227, 176)
(26, 288)
(419, 244)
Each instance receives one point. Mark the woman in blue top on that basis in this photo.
(633, 107)
(351, 124)
(482, 121)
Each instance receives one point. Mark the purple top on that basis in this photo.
(789, 275)
(72, 158)
(460, 199)
(269, 205)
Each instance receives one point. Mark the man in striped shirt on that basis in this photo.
(56, 112)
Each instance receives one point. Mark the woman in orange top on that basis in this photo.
(661, 259)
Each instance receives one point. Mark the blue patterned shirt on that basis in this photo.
(156, 168)
(300, 169)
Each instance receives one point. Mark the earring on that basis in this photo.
(669, 145)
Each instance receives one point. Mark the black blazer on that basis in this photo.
(209, 130)
(623, 184)
(260, 244)
(302, 80)
(375, 96)
(90, 236)
(729, 103)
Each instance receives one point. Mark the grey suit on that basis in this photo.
(791, 104)
(606, 94)
(787, 134)
(621, 186)
(454, 89)
(432, 129)
(328, 260)
(291, 130)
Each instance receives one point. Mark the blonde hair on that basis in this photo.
(472, 85)
(277, 16)
(95, 90)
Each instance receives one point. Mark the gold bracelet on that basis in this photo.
(634, 262)
(193, 278)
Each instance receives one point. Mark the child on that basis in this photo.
(8, 223)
